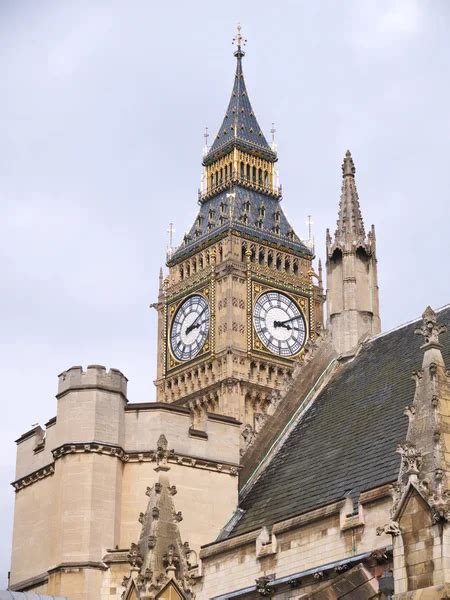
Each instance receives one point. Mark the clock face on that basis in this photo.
(190, 328)
(279, 323)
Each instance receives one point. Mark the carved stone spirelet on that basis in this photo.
(424, 463)
(411, 459)
(160, 556)
(430, 329)
(134, 557)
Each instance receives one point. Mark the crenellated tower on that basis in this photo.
(352, 284)
(241, 298)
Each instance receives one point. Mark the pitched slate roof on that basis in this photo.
(346, 442)
(239, 126)
(214, 218)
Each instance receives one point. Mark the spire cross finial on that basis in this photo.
(239, 41)
(310, 223)
(170, 231)
(206, 136)
(273, 132)
(273, 144)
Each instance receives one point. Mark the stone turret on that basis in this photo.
(91, 404)
(352, 282)
(94, 377)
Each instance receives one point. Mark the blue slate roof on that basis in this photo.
(346, 442)
(239, 126)
(254, 214)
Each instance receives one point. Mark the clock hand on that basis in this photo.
(193, 325)
(283, 323)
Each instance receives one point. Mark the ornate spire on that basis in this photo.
(425, 465)
(159, 557)
(352, 294)
(350, 222)
(239, 127)
(425, 453)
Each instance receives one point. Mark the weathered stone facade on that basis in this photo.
(81, 488)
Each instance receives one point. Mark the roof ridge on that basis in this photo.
(398, 327)
(322, 380)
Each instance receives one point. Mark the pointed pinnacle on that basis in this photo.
(350, 222)
(348, 167)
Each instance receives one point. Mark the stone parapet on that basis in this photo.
(95, 376)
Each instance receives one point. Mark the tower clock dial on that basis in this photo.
(279, 323)
(190, 328)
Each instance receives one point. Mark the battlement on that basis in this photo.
(95, 376)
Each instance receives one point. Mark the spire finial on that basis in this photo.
(273, 144)
(348, 167)
(170, 232)
(430, 329)
(239, 41)
(206, 147)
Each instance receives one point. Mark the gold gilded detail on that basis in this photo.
(303, 304)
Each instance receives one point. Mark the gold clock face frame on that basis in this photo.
(279, 321)
(189, 321)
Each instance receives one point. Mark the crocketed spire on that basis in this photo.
(352, 281)
(239, 127)
(350, 222)
(159, 557)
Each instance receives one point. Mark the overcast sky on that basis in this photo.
(102, 110)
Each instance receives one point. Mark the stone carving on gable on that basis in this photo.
(430, 329)
(424, 462)
(391, 528)
(159, 556)
(163, 453)
(411, 459)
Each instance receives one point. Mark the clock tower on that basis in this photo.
(241, 298)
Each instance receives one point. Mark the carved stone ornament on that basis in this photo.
(171, 561)
(411, 459)
(430, 328)
(440, 506)
(163, 454)
(134, 557)
(159, 556)
(342, 568)
(263, 586)
(381, 555)
(391, 528)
